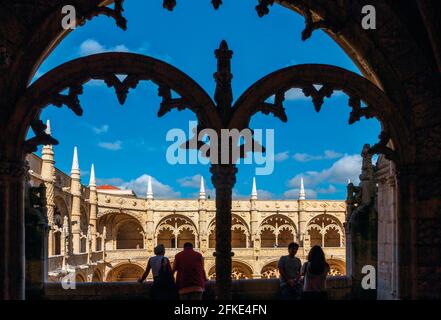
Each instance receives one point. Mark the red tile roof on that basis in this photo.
(107, 187)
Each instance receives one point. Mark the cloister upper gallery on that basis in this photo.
(391, 220)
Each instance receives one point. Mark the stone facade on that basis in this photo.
(108, 235)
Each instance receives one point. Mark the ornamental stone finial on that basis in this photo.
(202, 189)
(254, 190)
(48, 127)
(302, 190)
(75, 163)
(92, 181)
(149, 188)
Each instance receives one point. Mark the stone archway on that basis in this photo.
(129, 235)
(125, 272)
(326, 231)
(379, 54)
(270, 271)
(239, 233)
(239, 271)
(277, 231)
(175, 230)
(338, 267)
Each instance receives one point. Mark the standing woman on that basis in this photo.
(163, 287)
(315, 271)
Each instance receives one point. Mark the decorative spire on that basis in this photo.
(224, 93)
(75, 163)
(149, 188)
(202, 190)
(92, 181)
(349, 181)
(48, 127)
(302, 190)
(254, 190)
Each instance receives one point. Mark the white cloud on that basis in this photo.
(329, 190)
(331, 154)
(264, 195)
(91, 46)
(281, 156)
(348, 167)
(113, 146)
(160, 190)
(327, 155)
(190, 182)
(295, 94)
(103, 129)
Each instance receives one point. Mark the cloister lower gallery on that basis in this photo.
(391, 220)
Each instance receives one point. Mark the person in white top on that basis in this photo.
(163, 288)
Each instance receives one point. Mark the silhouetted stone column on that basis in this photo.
(36, 237)
(224, 179)
(407, 221)
(12, 239)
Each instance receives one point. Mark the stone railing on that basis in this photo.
(55, 262)
(339, 288)
(77, 259)
(96, 256)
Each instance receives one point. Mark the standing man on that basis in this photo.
(289, 269)
(191, 277)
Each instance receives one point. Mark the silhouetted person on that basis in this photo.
(289, 268)
(163, 287)
(315, 271)
(191, 277)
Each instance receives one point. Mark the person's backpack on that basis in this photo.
(164, 287)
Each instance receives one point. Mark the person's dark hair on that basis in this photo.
(317, 260)
(188, 245)
(159, 250)
(293, 245)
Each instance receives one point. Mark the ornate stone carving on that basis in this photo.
(41, 137)
(115, 13)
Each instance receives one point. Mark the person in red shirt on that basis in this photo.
(191, 277)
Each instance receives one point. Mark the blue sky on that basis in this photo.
(127, 143)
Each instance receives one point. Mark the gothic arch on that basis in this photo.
(325, 230)
(125, 272)
(277, 230)
(270, 270)
(174, 230)
(129, 234)
(80, 277)
(97, 276)
(105, 66)
(330, 79)
(338, 267)
(240, 270)
(240, 232)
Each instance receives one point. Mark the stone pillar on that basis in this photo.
(224, 179)
(302, 218)
(93, 201)
(36, 241)
(203, 227)
(75, 189)
(48, 176)
(150, 227)
(407, 222)
(202, 214)
(254, 220)
(12, 230)
(150, 222)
